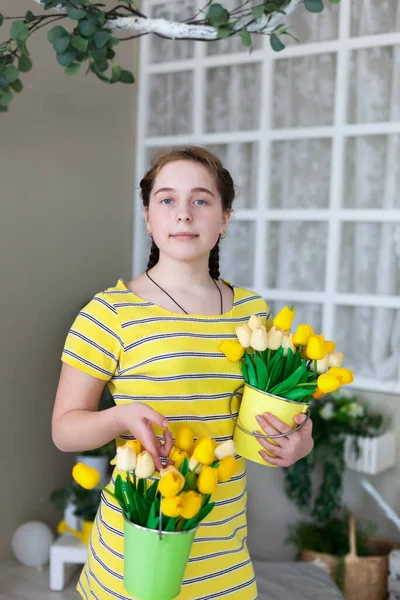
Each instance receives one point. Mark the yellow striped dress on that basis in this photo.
(171, 362)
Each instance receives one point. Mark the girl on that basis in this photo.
(155, 342)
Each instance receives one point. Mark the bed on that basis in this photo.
(294, 581)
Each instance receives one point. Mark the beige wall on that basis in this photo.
(66, 181)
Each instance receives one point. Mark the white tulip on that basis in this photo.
(322, 365)
(275, 337)
(145, 466)
(254, 322)
(259, 339)
(336, 359)
(287, 342)
(192, 465)
(243, 333)
(227, 448)
(126, 458)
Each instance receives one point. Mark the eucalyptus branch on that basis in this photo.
(94, 34)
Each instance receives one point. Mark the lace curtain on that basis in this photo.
(300, 170)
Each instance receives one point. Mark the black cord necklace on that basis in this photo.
(162, 289)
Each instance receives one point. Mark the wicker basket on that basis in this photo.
(361, 577)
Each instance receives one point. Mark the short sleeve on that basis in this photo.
(94, 342)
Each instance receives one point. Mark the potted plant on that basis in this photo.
(85, 504)
(334, 418)
(282, 373)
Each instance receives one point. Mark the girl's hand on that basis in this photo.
(138, 418)
(290, 448)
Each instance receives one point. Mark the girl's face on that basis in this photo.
(185, 215)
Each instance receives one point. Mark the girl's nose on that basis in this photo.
(184, 216)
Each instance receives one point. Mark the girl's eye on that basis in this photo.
(166, 201)
(203, 201)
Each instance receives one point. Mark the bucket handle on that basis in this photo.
(259, 435)
(160, 525)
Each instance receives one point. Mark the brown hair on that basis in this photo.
(223, 181)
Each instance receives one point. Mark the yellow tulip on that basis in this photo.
(302, 335)
(86, 476)
(226, 468)
(171, 483)
(135, 445)
(204, 451)
(275, 337)
(346, 375)
(184, 439)
(227, 448)
(284, 318)
(336, 359)
(287, 342)
(172, 507)
(259, 339)
(316, 347)
(191, 504)
(254, 322)
(208, 480)
(232, 349)
(178, 456)
(329, 346)
(145, 466)
(243, 333)
(328, 383)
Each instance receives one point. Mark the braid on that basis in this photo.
(213, 262)
(154, 255)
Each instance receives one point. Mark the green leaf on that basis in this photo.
(73, 69)
(99, 54)
(262, 372)
(5, 98)
(171, 524)
(87, 27)
(275, 372)
(277, 357)
(204, 512)
(245, 373)
(101, 38)
(11, 73)
(141, 509)
(184, 467)
(126, 77)
(151, 492)
(3, 109)
(119, 494)
(61, 44)
(24, 64)
(19, 31)
(276, 44)
(1, 19)
(258, 11)
(76, 14)
(29, 17)
(102, 66)
(79, 43)
(57, 32)
(224, 32)
(289, 364)
(17, 86)
(115, 73)
(66, 59)
(299, 393)
(141, 486)
(217, 15)
(314, 6)
(290, 382)
(245, 37)
(251, 370)
(22, 48)
(4, 85)
(152, 519)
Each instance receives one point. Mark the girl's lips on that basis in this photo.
(188, 236)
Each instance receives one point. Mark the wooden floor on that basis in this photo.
(25, 583)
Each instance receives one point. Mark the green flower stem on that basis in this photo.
(305, 384)
(315, 368)
(180, 524)
(268, 355)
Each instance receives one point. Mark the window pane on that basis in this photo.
(233, 98)
(304, 91)
(296, 255)
(305, 312)
(300, 174)
(370, 258)
(237, 253)
(170, 103)
(370, 17)
(162, 50)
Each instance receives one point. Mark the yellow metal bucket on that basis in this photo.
(256, 402)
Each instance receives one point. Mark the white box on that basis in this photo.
(376, 453)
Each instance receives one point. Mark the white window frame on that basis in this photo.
(264, 136)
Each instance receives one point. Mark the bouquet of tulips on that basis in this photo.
(296, 366)
(183, 490)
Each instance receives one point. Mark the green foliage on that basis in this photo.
(86, 41)
(86, 502)
(330, 538)
(333, 418)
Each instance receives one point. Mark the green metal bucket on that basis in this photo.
(155, 562)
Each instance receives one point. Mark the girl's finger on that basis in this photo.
(277, 423)
(271, 430)
(274, 460)
(166, 448)
(268, 445)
